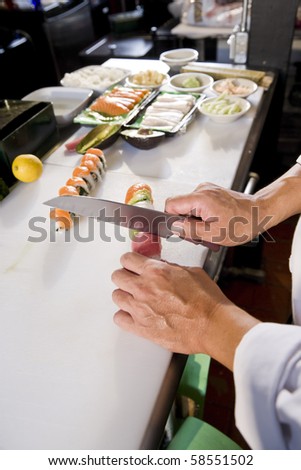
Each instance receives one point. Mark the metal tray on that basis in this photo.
(93, 118)
(136, 122)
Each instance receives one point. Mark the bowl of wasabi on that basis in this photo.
(191, 82)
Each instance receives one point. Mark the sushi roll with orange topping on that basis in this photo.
(94, 159)
(139, 192)
(99, 153)
(83, 180)
(80, 185)
(68, 191)
(84, 172)
(63, 219)
(146, 244)
(94, 170)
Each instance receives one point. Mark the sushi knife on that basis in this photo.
(131, 216)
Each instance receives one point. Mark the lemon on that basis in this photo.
(27, 168)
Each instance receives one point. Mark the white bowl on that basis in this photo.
(67, 102)
(241, 87)
(176, 82)
(216, 116)
(177, 58)
(129, 81)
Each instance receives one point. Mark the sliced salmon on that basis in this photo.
(107, 105)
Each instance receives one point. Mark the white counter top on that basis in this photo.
(70, 379)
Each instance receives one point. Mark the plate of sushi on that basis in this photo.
(168, 112)
(117, 105)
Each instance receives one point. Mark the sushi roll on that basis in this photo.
(94, 159)
(99, 153)
(63, 219)
(82, 171)
(80, 185)
(95, 172)
(146, 244)
(83, 180)
(139, 193)
(68, 191)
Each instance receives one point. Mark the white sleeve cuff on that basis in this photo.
(261, 366)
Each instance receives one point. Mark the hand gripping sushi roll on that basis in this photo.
(146, 244)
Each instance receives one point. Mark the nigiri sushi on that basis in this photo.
(146, 244)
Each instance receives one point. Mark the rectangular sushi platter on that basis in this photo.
(87, 117)
(134, 119)
(137, 121)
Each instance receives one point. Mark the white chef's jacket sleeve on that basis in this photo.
(267, 375)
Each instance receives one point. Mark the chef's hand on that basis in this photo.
(179, 308)
(225, 217)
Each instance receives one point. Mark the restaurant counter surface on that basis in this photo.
(70, 378)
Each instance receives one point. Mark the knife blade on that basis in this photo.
(131, 216)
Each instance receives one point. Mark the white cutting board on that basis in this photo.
(71, 379)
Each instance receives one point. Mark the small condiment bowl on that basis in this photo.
(243, 104)
(177, 58)
(177, 82)
(241, 87)
(130, 81)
